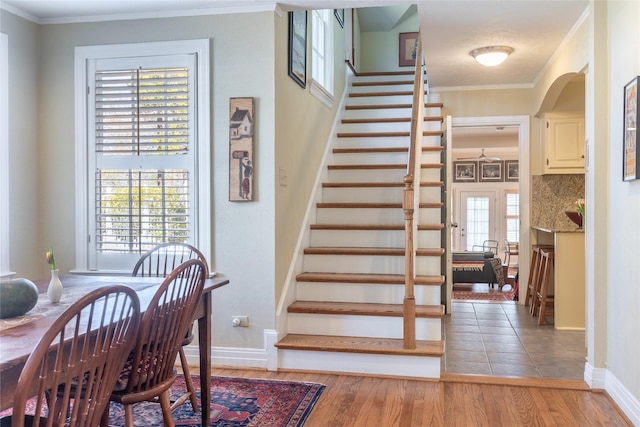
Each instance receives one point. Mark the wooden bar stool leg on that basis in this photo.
(532, 273)
(545, 300)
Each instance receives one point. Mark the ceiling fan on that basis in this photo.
(481, 157)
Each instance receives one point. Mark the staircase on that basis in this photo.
(347, 316)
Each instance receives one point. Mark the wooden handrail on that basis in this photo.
(410, 201)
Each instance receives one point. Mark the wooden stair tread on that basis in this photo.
(392, 120)
(388, 346)
(383, 166)
(381, 279)
(390, 93)
(386, 106)
(383, 83)
(386, 134)
(377, 184)
(327, 250)
(384, 73)
(391, 227)
(387, 227)
(363, 309)
(356, 205)
(383, 150)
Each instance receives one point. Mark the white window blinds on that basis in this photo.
(143, 155)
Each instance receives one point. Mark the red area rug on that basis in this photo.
(235, 402)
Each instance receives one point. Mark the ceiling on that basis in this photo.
(450, 29)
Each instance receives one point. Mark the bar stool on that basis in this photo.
(543, 300)
(533, 283)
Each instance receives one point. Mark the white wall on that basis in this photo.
(623, 230)
(379, 50)
(42, 151)
(26, 251)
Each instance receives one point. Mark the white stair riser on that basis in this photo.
(373, 216)
(379, 175)
(369, 158)
(389, 78)
(375, 194)
(429, 238)
(382, 100)
(371, 195)
(359, 216)
(366, 175)
(357, 363)
(430, 174)
(359, 326)
(371, 238)
(383, 88)
(386, 127)
(372, 142)
(377, 113)
(368, 264)
(365, 293)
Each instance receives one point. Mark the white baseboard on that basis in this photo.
(628, 403)
(595, 377)
(230, 357)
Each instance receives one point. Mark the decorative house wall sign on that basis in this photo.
(241, 167)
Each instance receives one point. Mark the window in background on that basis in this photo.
(512, 216)
(322, 56)
(4, 155)
(144, 139)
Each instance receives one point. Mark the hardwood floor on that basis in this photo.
(455, 400)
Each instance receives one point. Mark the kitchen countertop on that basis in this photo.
(558, 230)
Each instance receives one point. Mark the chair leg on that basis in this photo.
(165, 404)
(104, 422)
(188, 381)
(128, 415)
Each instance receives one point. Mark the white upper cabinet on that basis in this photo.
(564, 142)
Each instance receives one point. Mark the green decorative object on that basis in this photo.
(17, 296)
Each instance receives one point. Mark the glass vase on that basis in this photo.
(54, 291)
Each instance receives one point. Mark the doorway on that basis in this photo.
(478, 219)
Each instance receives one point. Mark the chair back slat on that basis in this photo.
(164, 326)
(78, 360)
(161, 260)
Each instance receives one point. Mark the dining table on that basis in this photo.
(19, 335)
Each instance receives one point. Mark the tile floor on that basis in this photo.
(503, 339)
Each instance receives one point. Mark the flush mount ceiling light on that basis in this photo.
(491, 56)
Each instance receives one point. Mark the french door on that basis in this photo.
(478, 219)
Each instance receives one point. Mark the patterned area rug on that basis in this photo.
(235, 402)
(470, 292)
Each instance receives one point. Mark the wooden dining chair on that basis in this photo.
(150, 371)
(159, 261)
(88, 344)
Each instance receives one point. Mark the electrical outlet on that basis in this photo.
(240, 321)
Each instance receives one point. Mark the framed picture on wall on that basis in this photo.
(630, 160)
(298, 47)
(511, 171)
(408, 46)
(465, 171)
(490, 171)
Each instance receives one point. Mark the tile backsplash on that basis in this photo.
(551, 196)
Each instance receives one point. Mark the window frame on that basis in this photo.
(4, 156)
(202, 168)
(322, 90)
(507, 217)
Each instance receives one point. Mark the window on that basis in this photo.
(322, 56)
(512, 216)
(4, 155)
(142, 181)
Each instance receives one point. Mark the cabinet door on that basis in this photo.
(564, 144)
